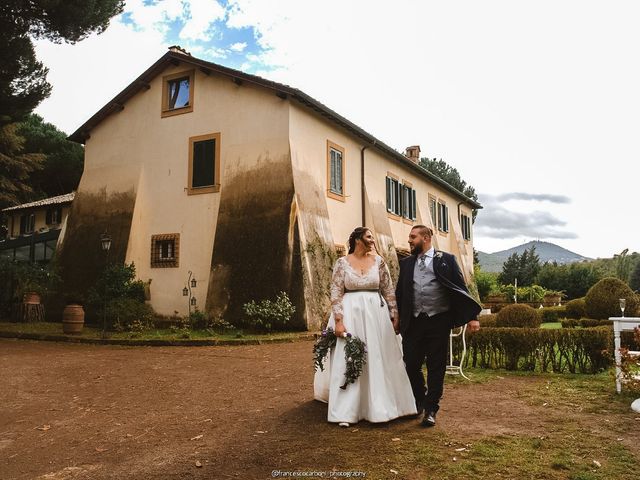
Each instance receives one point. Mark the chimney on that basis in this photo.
(178, 49)
(413, 153)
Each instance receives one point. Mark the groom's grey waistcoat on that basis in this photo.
(430, 296)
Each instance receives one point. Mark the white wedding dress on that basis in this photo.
(382, 392)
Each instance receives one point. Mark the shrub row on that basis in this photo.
(586, 350)
(584, 322)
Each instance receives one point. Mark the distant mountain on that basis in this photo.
(548, 252)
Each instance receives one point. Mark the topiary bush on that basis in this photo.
(551, 314)
(576, 308)
(602, 300)
(518, 315)
(487, 320)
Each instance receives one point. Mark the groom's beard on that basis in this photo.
(416, 249)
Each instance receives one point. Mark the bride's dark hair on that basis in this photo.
(357, 234)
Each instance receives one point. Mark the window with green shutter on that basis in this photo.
(408, 202)
(465, 224)
(443, 217)
(204, 164)
(394, 196)
(204, 159)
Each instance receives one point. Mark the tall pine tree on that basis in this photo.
(524, 267)
(23, 83)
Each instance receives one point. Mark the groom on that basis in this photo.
(432, 299)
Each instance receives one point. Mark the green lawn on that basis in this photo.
(551, 325)
(48, 328)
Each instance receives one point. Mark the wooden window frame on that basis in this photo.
(444, 223)
(433, 214)
(407, 190)
(29, 223)
(156, 261)
(53, 216)
(398, 194)
(216, 168)
(330, 193)
(169, 112)
(465, 225)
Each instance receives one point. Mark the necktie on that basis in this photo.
(421, 261)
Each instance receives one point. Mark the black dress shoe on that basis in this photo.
(429, 419)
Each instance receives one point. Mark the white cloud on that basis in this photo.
(217, 52)
(238, 47)
(85, 76)
(154, 17)
(201, 15)
(474, 83)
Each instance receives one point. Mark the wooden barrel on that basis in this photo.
(72, 318)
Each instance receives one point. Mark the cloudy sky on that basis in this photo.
(536, 103)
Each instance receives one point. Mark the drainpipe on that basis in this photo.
(362, 196)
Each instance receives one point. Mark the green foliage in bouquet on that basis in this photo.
(355, 354)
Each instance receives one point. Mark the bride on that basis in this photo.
(363, 303)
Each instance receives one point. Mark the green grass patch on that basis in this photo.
(568, 453)
(551, 325)
(90, 332)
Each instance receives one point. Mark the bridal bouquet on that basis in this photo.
(355, 354)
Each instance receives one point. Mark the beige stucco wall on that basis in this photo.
(136, 150)
(272, 207)
(336, 219)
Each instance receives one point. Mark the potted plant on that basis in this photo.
(496, 297)
(33, 283)
(552, 297)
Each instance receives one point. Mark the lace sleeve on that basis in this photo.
(337, 288)
(386, 287)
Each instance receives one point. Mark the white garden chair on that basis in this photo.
(457, 369)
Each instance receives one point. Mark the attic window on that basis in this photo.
(177, 93)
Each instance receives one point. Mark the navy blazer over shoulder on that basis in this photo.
(463, 306)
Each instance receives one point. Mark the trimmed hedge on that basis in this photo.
(487, 320)
(585, 323)
(585, 350)
(576, 308)
(551, 314)
(601, 300)
(518, 315)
